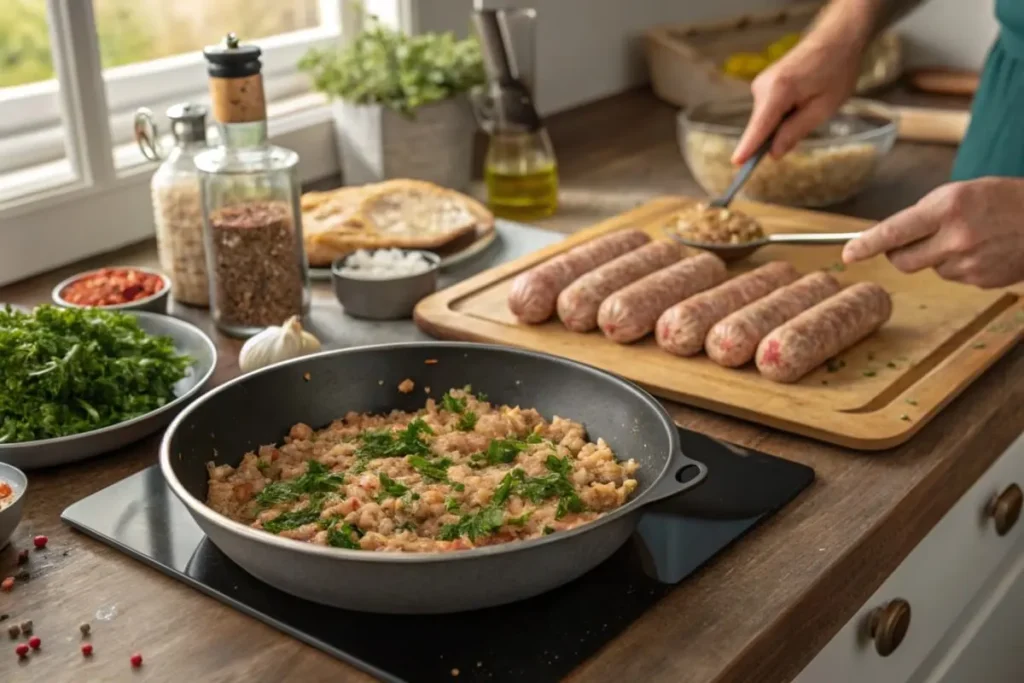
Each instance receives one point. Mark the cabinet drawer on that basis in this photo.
(938, 580)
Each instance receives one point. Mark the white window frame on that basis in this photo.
(93, 195)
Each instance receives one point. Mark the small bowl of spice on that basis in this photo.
(384, 284)
(13, 483)
(125, 288)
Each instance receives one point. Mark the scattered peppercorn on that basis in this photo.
(14, 630)
(136, 660)
(7, 584)
(84, 627)
(87, 649)
(21, 650)
(34, 642)
(26, 627)
(23, 556)
(40, 542)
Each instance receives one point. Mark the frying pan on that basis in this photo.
(260, 407)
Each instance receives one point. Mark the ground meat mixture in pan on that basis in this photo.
(461, 473)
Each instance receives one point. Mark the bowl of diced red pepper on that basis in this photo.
(124, 288)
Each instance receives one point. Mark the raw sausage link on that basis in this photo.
(578, 303)
(534, 293)
(630, 313)
(791, 351)
(682, 328)
(733, 341)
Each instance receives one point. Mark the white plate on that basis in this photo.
(188, 339)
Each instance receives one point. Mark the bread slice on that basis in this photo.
(404, 214)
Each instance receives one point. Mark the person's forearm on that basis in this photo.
(858, 21)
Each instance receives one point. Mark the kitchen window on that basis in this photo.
(72, 73)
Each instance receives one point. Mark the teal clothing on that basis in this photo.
(994, 143)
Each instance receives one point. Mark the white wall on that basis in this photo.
(589, 49)
(954, 33)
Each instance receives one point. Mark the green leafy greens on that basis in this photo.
(467, 418)
(387, 443)
(317, 479)
(503, 451)
(393, 69)
(66, 371)
(535, 489)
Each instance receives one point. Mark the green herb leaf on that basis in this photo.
(390, 488)
(482, 523)
(433, 471)
(385, 66)
(317, 479)
(453, 404)
(293, 519)
(344, 536)
(548, 530)
(387, 443)
(451, 505)
(65, 371)
(467, 421)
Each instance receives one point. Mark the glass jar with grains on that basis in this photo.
(177, 210)
(250, 194)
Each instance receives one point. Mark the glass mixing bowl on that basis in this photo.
(831, 165)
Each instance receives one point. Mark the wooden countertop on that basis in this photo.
(759, 612)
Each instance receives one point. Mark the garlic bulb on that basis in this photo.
(276, 344)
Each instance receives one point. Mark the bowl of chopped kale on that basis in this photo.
(79, 382)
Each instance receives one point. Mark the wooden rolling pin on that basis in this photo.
(945, 81)
(941, 126)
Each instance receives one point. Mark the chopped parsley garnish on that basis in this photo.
(317, 479)
(341, 536)
(482, 523)
(387, 443)
(467, 421)
(535, 489)
(503, 451)
(262, 465)
(467, 418)
(389, 488)
(549, 530)
(451, 505)
(433, 471)
(407, 526)
(453, 404)
(293, 519)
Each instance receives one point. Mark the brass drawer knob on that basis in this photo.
(888, 625)
(1004, 508)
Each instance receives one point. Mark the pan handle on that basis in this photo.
(682, 474)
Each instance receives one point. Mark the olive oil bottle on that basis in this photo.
(521, 176)
(520, 169)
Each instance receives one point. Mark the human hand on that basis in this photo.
(970, 232)
(812, 79)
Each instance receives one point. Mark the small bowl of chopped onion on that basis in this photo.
(13, 483)
(384, 284)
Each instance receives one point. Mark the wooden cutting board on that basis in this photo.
(874, 396)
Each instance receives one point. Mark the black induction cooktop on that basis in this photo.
(536, 640)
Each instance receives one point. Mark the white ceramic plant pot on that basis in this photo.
(376, 143)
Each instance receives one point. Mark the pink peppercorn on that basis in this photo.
(34, 642)
(87, 649)
(136, 660)
(40, 542)
(21, 650)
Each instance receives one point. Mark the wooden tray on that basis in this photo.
(874, 396)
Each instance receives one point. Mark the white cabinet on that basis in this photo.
(942, 580)
(987, 648)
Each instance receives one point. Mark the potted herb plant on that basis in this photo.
(401, 108)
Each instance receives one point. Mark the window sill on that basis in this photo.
(63, 220)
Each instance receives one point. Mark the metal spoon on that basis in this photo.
(735, 252)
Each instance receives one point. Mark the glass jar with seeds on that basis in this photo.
(177, 210)
(250, 195)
